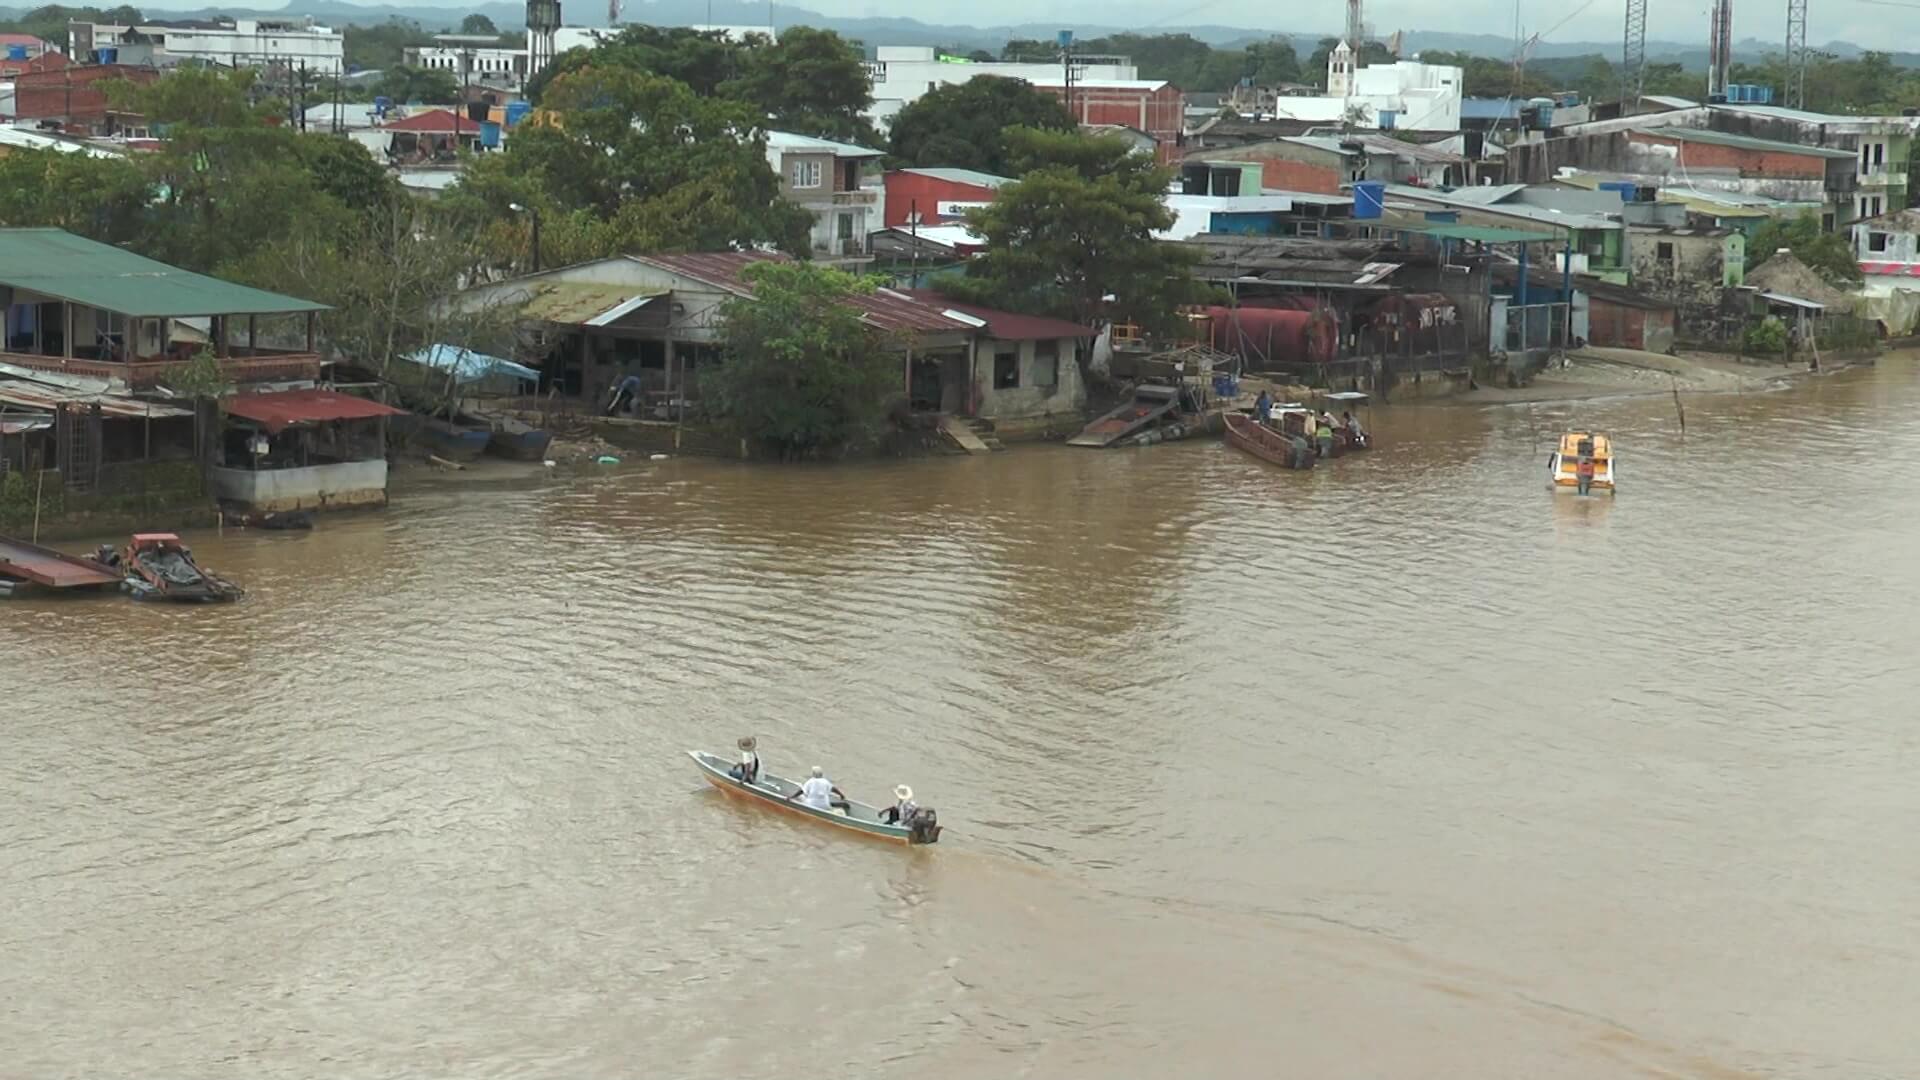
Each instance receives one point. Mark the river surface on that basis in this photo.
(1399, 768)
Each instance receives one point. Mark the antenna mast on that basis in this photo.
(1720, 50)
(1797, 53)
(1633, 54)
(1356, 28)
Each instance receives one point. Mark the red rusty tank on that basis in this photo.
(1423, 320)
(1273, 337)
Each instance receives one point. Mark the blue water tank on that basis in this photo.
(517, 111)
(1369, 199)
(1624, 188)
(16, 52)
(109, 56)
(489, 134)
(1386, 119)
(381, 105)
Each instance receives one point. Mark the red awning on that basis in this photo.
(276, 412)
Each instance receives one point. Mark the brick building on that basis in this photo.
(73, 95)
(936, 196)
(1156, 107)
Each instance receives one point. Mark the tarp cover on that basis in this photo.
(469, 366)
(276, 412)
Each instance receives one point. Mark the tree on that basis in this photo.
(477, 23)
(1826, 254)
(1076, 229)
(811, 82)
(426, 86)
(702, 59)
(382, 45)
(802, 375)
(637, 162)
(100, 198)
(1272, 62)
(965, 124)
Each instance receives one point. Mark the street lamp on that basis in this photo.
(533, 216)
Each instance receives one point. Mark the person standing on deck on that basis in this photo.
(1263, 407)
(1324, 432)
(1302, 452)
(1583, 470)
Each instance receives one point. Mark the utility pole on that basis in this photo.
(1633, 55)
(1797, 53)
(1065, 40)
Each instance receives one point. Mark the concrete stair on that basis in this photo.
(973, 436)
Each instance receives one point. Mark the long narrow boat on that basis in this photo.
(777, 792)
(1245, 433)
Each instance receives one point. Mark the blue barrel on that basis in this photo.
(381, 105)
(16, 52)
(517, 111)
(489, 134)
(109, 56)
(1622, 188)
(1226, 386)
(1369, 199)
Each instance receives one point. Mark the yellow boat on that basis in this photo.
(1563, 467)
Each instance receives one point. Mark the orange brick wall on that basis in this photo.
(1767, 163)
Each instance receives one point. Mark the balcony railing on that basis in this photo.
(259, 365)
(855, 198)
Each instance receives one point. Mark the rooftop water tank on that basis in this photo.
(1369, 199)
(489, 134)
(517, 111)
(16, 52)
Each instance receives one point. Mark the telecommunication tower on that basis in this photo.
(1797, 53)
(1633, 54)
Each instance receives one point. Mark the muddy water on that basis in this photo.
(1397, 768)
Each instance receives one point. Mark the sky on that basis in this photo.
(1886, 24)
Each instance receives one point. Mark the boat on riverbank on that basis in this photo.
(1563, 465)
(516, 439)
(777, 793)
(159, 567)
(453, 442)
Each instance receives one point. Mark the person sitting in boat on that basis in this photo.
(819, 792)
(748, 771)
(1355, 436)
(903, 808)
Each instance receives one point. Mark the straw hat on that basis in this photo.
(903, 792)
(747, 742)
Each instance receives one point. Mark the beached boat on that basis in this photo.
(776, 792)
(453, 441)
(1246, 433)
(1563, 465)
(515, 439)
(159, 567)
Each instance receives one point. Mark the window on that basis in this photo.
(1664, 253)
(1046, 364)
(1876, 241)
(804, 174)
(1006, 371)
(1879, 154)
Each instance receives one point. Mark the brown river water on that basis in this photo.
(1399, 768)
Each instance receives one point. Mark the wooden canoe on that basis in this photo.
(774, 791)
(1245, 433)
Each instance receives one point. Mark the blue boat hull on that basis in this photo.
(456, 444)
(521, 446)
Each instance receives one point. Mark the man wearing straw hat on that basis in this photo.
(903, 808)
(748, 771)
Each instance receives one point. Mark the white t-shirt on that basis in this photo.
(817, 792)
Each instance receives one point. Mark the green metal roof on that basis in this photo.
(68, 267)
(1485, 234)
(1743, 142)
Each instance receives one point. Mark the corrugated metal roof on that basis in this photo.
(575, 303)
(1742, 142)
(433, 121)
(883, 310)
(1484, 234)
(720, 269)
(46, 397)
(276, 412)
(786, 142)
(68, 267)
(1007, 325)
(963, 176)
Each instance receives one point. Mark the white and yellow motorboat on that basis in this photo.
(1563, 467)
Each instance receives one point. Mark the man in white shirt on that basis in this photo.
(818, 792)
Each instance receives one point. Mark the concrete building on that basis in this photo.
(1407, 95)
(1889, 245)
(75, 96)
(902, 74)
(827, 179)
(1324, 164)
(936, 196)
(1155, 108)
(504, 68)
(588, 37)
(250, 43)
(1690, 268)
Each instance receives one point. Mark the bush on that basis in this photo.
(1766, 338)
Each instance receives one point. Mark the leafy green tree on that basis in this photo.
(477, 23)
(381, 45)
(637, 162)
(965, 124)
(811, 82)
(802, 375)
(1272, 62)
(704, 60)
(103, 199)
(426, 86)
(1077, 229)
(1826, 254)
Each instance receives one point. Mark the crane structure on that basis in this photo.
(1797, 53)
(1356, 27)
(1633, 54)
(1720, 50)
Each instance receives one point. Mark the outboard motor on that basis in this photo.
(924, 826)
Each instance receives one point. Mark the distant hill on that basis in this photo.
(896, 30)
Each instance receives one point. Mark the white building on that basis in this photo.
(252, 43)
(587, 37)
(903, 73)
(827, 178)
(494, 67)
(1407, 95)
